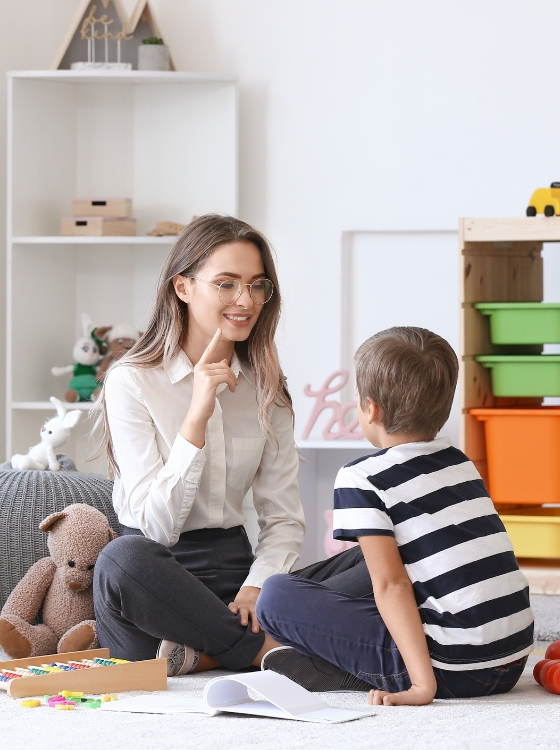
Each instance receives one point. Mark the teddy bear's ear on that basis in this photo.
(47, 522)
(112, 535)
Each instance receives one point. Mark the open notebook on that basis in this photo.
(278, 697)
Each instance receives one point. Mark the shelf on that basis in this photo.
(527, 229)
(48, 406)
(167, 140)
(335, 444)
(118, 76)
(65, 240)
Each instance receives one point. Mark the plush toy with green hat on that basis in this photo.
(87, 353)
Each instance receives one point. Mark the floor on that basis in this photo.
(527, 717)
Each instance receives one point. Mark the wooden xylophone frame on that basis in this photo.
(134, 675)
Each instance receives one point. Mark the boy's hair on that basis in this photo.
(411, 374)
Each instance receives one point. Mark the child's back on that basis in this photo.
(472, 597)
(450, 616)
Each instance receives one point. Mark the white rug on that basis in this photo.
(528, 717)
(547, 617)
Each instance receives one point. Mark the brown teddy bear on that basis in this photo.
(61, 584)
(121, 338)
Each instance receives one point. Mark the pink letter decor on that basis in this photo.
(336, 427)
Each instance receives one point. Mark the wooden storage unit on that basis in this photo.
(501, 261)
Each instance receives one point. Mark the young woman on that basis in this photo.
(195, 415)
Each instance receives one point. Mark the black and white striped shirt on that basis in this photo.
(472, 597)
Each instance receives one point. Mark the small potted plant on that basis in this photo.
(153, 54)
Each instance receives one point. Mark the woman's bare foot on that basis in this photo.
(206, 662)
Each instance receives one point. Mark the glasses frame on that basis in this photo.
(219, 288)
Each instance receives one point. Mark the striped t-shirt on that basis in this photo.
(472, 597)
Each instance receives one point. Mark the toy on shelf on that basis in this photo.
(545, 201)
(54, 434)
(164, 228)
(87, 353)
(61, 584)
(92, 672)
(121, 338)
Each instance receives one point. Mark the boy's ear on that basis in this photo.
(373, 411)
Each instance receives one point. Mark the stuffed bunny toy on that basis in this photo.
(87, 352)
(61, 584)
(54, 433)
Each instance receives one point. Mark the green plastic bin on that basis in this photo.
(535, 375)
(522, 322)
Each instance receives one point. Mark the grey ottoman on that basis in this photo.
(26, 497)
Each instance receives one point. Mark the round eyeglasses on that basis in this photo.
(230, 291)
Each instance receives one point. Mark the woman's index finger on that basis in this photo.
(208, 354)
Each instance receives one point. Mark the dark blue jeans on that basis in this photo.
(349, 631)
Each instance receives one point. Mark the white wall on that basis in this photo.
(356, 115)
(370, 115)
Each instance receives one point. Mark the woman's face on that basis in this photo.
(239, 261)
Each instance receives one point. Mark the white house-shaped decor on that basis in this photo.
(103, 34)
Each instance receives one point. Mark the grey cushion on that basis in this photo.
(26, 498)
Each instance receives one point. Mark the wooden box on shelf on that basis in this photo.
(501, 261)
(119, 207)
(97, 226)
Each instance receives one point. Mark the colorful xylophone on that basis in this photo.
(91, 671)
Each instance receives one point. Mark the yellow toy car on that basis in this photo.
(545, 201)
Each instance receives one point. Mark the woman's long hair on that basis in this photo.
(168, 324)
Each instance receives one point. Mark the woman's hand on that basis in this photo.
(417, 695)
(245, 605)
(208, 375)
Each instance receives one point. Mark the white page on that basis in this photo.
(159, 704)
(283, 698)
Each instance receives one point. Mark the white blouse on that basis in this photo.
(167, 485)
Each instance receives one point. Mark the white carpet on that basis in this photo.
(547, 617)
(528, 717)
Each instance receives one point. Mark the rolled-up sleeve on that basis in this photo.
(276, 498)
(158, 494)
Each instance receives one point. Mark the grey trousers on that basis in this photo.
(145, 592)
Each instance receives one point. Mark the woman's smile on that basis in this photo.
(239, 321)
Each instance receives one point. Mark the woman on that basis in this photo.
(195, 415)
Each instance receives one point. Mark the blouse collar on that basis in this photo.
(181, 366)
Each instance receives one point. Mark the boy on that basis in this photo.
(450, 616)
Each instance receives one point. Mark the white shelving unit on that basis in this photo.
(168, 141)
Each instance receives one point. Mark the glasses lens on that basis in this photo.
(261, 291)
(229, 292)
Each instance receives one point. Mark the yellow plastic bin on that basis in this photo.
(534, 532)
(523, 452)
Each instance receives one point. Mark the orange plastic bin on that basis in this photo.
(523, 452)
